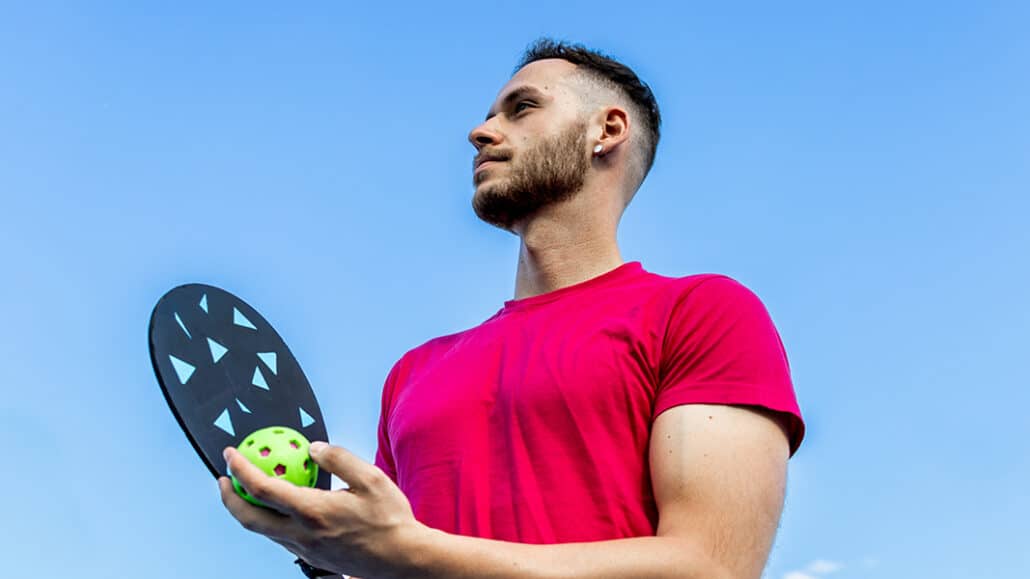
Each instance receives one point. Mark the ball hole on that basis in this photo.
(250, 442)
(307, 464)
(294, 444)
(279, 431)
(280, 470)
(266, 451)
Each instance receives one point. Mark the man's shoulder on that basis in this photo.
(681, 287)
(687, 281)
(700, 295)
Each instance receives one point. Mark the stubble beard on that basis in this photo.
(550, 172)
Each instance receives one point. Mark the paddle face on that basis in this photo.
(226, 372)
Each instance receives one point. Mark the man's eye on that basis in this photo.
(517, 109)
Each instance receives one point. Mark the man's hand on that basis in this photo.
(363, 529)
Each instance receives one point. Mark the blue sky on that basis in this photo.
(864, 168)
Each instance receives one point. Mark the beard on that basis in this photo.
(550, 172)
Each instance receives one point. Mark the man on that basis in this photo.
(606, 422)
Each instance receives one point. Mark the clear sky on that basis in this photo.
(863, 167)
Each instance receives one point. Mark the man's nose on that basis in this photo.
(482, 136)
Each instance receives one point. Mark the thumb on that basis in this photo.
(357, 473)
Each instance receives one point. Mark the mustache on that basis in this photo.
(488, 156)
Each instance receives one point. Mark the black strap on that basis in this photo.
(310, 571)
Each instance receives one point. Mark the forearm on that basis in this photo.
(436, 554)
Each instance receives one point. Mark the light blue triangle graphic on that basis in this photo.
(183, 369)
(259, 379)
(225, 422)
(203, 303)
(241, 320)
(182, 325)
(305, 419)
(242, 407)
(269, 359)
(217, 350)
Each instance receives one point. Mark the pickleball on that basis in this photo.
(280, 452)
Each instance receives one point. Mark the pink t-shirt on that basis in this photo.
(534, 426)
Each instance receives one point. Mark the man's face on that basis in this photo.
(537, 133)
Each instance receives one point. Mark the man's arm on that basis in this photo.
(719, 475)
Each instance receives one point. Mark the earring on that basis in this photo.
(598, 148)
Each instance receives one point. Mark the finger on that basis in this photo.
(283, 496)
(276, 526)
(357, 473)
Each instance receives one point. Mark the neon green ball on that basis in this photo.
(281, 452)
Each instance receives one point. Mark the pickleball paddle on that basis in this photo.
(226, 373)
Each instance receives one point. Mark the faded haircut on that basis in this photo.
(603, 72)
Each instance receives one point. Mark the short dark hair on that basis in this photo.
(606, 70)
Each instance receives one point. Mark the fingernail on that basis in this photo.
(317, 447)
(225, 454)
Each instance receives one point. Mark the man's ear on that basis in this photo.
(614, 128)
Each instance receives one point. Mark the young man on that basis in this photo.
(607, 422)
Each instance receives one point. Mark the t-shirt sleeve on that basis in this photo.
(721, 347)
(384, 454)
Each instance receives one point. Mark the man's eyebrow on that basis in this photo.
(524, 90)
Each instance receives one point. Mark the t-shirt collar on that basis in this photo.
(621, 272)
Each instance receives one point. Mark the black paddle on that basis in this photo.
(226, 373)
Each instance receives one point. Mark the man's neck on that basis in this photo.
(565, 246)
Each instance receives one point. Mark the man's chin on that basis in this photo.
(490, 191)
(483, 178)
(495, 211)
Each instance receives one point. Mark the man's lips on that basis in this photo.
(487, 163)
